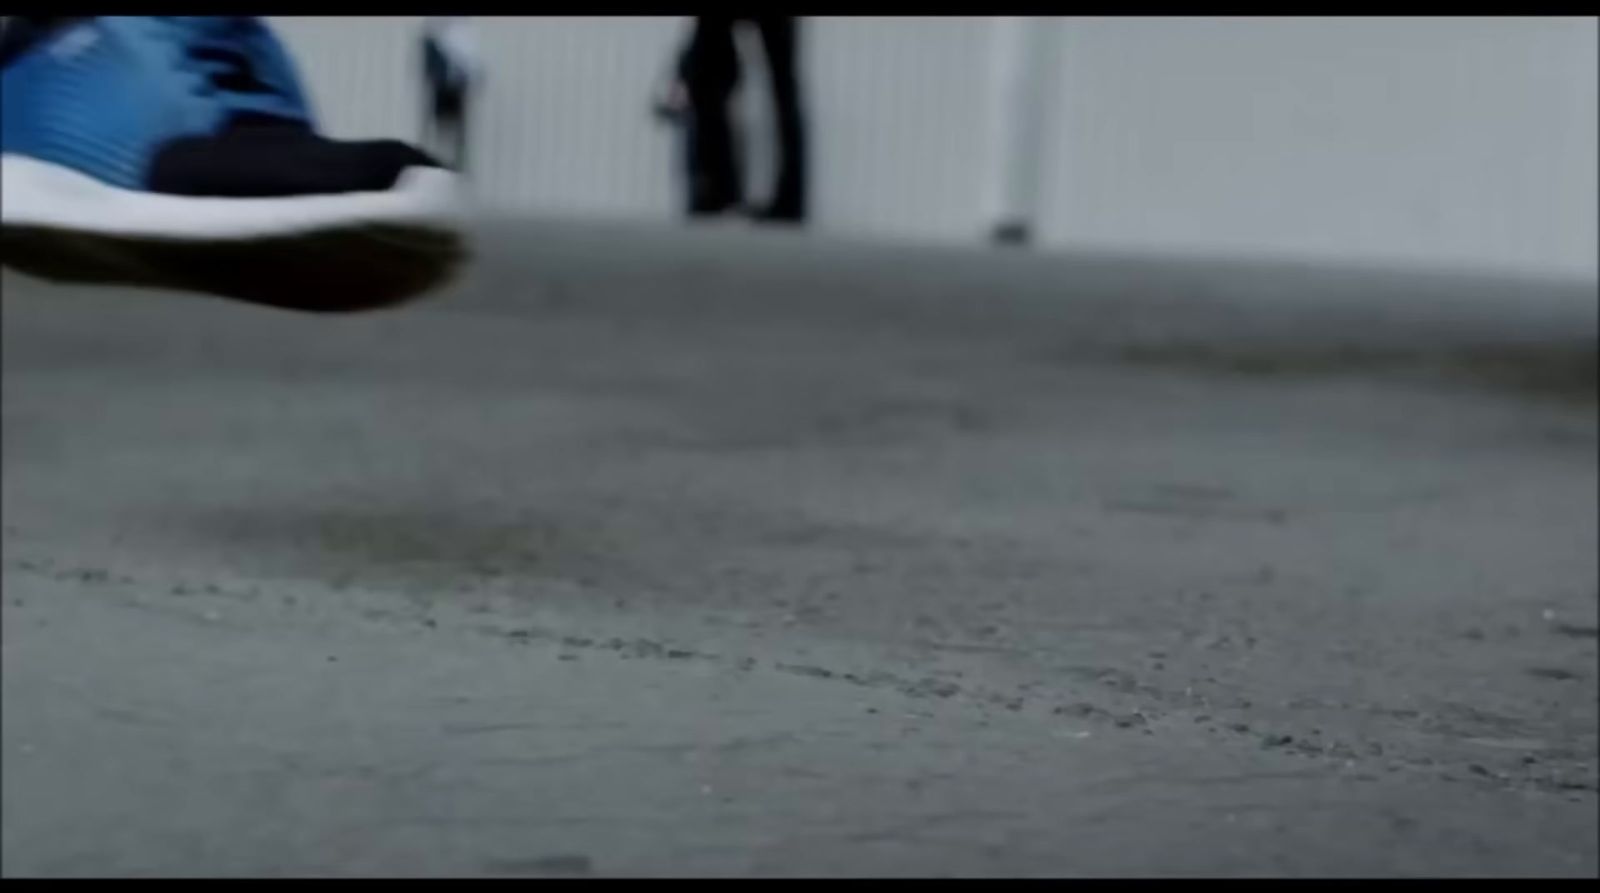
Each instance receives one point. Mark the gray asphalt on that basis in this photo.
(717, 553)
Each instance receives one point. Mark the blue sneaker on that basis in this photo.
(180, 152)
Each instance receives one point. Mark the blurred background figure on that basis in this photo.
(708, 73)
(451, 71)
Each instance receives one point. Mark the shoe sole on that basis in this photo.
(324, 253)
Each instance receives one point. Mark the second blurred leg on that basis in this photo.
(711, 71)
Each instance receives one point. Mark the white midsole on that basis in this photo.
(40, 194)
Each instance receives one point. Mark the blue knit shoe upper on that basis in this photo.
(104, 95)
(187, 105)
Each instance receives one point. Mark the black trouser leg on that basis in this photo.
(447, 128)
(779, 42)
(711, 70)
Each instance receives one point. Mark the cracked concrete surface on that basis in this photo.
(710, 553)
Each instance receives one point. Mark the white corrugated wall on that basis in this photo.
(1453, 141)
(1444, 141)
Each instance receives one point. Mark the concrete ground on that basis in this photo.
(718, 553)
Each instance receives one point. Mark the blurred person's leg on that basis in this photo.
(451, 69)
(462, 125)
(779, 37)
(711, 71)
(432, 69)
(428, 129)
(180, 152)
(449, 131)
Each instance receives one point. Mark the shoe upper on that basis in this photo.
(190, 105)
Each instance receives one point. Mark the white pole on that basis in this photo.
(1005, 79)
(1020, 71)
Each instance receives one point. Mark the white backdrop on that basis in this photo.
(1449, 140)
(1436, 141)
